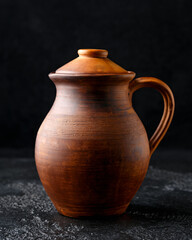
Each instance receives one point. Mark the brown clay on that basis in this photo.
(92, 151)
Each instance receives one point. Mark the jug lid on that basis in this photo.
(92, 62)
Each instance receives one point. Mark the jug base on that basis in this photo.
(92, 212)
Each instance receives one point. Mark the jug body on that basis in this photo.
(92, 151)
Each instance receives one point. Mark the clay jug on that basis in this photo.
(92, 151)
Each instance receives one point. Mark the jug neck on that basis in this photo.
(92, 96)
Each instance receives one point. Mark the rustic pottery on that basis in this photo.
(92, 151)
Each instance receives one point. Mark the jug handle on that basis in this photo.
(169, 106)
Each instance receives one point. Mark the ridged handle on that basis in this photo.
(169, 106)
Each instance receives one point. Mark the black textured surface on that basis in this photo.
(161, 209)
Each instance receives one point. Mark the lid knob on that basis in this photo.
(95, 53)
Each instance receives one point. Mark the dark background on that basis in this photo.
(152, 38)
